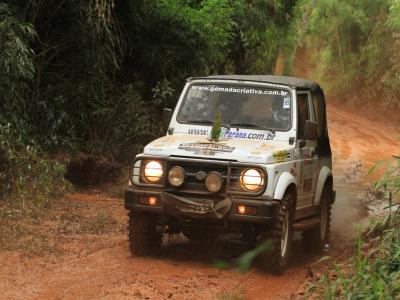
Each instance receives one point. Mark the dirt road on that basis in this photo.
(100, 266)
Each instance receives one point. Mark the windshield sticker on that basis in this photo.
(286, 103)
(206, 148)
(235, 134)
(237, 90)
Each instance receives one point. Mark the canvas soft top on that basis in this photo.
(293, 82)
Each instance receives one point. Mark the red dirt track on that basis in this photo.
(101, 267)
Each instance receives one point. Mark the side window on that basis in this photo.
(319, 109)
(303, 114)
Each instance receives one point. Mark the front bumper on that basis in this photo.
(183, 208)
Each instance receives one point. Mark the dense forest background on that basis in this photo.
(92, 76)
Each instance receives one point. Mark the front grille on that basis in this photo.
(197, 185)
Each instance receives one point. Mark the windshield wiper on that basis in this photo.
(200, 121)
(253, 126)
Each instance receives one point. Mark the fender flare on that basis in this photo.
(284, 180)
(323, 176)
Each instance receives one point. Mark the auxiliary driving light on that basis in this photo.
(153, 171)
(213, 182)
(176, 176)
(251, 180)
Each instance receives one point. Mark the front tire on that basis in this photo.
(281, 235)
(143, 237)
(317, 239)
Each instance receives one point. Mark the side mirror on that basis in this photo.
(310, 130)
(166, 118)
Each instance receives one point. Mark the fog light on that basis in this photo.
(213, 182)
(176, 176)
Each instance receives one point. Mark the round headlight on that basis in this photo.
(213, 182)
(153, 171)
(251, 180)
(176, 176)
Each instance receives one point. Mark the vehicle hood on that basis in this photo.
(241, 150)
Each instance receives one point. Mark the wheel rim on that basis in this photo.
(285, 234)
(324, 216)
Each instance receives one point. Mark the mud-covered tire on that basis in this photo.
(316, 239)
(199, 234)
(143, 237)
(280, 236)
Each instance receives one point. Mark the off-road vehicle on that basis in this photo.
(242, 154)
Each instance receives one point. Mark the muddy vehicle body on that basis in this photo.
(242, 154)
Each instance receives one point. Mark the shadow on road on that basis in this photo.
(178, 249)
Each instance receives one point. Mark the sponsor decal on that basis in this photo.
(296, 153)
(293, 170)
(256, 152)
(281, 156)
(158, 145)
(169, 139)
(307, 185)
(235, 134)
(254, 157)
(155, 149)
(307, 173)
(206, 148)
(235, 89)
(308, 162)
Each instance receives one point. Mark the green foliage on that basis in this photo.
(373, 272)
(389, 181)
(28, 179)
(344, 39)
(16, 60)
(245, 261)
(16, 70)
(84, 71)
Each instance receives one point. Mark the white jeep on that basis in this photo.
(242, 154)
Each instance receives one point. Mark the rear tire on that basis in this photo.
(277, 259)
(143, 237)
(316, 239)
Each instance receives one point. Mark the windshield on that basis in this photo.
(239, 105)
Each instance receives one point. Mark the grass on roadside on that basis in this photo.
(42, 232)
(373, 272)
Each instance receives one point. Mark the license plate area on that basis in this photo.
(199, 208)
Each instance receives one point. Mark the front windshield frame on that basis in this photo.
(237, 85)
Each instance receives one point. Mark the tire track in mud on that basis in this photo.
(185, 270)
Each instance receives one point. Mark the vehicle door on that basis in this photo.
(307, 156)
